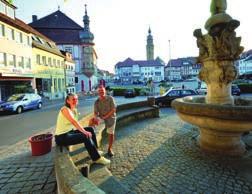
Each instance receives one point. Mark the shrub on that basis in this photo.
(245, 87)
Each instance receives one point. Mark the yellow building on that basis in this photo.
(15, 53)
(29, 61)
(48, 68)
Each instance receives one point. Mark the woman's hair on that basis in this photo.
(67, 98)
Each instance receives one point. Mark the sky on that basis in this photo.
(121, 27)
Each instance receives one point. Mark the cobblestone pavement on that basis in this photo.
(22, 173)
(161, 156)
(153, 156)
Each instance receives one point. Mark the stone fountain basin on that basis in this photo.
(220, 126)
(234, 118)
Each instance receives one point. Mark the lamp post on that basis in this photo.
(170, 60)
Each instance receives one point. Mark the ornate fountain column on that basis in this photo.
(218, 50)
(221, 119)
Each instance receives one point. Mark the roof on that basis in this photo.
(62, 36)
(19, 24)
(180, 62)
(56, 20)
(246, 54)
(59, 27)
(142, 63)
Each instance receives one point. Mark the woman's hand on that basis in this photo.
(88, 134)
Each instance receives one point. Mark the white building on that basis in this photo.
(130, 71)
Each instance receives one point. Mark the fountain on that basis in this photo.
(221, 118)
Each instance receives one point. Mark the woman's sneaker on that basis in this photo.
(102, 160)
(100, 152)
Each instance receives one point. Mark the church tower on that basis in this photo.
(89, 56)
(150, 46)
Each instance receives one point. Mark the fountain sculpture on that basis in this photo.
(221, 118)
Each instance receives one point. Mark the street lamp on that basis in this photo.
(170, 60)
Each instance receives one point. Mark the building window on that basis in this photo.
(69, 49)
(44, 60)
(20, 62)
(21, 37)
(54, 62)
(59, 84)
(2, 59)
(27, 62)
(2, 7)
(55, 84)
(10, 12)
(58, 63)
(17, 36)
(2, 30)
(50, 61)
(38, 59)
(11, 60)
(10, 33)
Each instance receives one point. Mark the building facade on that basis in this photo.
(245, 62)
(69, 73)
(48, 68)
(78, 41)
(181, 69)
(130, 71)
(29, 61)
(15, 53)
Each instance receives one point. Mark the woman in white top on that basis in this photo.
(66, 135)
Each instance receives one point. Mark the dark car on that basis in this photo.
(129, 93)
(20, 102)
(236, 90)
(170, 95)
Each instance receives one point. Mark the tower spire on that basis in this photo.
(150, 46)
(86, 36)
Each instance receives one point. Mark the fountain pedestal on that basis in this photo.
(221, 120)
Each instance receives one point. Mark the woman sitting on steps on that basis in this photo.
(65, 135)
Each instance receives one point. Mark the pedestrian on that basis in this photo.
(183, 87)
(105, 109)
(70, 132)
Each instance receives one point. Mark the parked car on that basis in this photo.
(171, 94)
(20, 102)
(129, 93)
(203, 89)
(236, 90)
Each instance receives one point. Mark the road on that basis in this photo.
(15, 128)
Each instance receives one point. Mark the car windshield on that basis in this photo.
(15, 97)
(203, 85)
(165, 94)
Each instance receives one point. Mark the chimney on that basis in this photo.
(34, 18)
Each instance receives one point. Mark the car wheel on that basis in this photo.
(39, 105)
(19, 110)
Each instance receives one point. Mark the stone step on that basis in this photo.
(103, 179)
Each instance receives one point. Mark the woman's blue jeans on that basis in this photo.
(75, 137)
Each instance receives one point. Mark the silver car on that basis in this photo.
(20, 102)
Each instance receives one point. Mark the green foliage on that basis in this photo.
(245, 87)
(119, 91)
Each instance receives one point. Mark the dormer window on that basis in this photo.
(10, 12)
(7, 9)
(2, 7)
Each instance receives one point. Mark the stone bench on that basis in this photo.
(72, 163)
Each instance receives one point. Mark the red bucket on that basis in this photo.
(41, 144)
